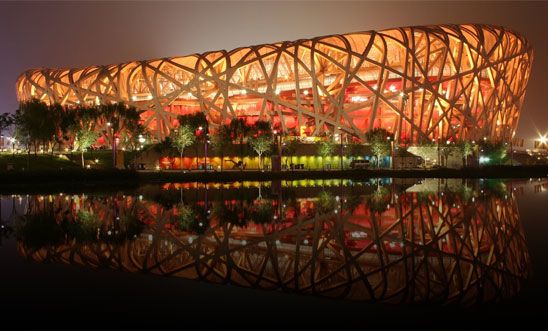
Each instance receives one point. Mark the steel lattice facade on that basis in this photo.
(420, 83)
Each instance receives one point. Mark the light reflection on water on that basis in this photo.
(397, 241)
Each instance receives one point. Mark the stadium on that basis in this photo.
(423, 83)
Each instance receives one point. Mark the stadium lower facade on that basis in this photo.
(424, 83)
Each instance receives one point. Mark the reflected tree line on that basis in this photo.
(376, 244)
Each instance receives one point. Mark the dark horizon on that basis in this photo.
(71, 33)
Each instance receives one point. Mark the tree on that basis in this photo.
(64, 120)
(199, 124)
(446, 151)
(121, 118)
(85, 137)
(239, 130)
(261, 139)
(34, 120)
(261, 144)
(379, 140)
(221, 140)
(181, 138)
(493, 152)
(135, 139)
(466, 149)
(325, 149)
(352, 149)
(290, 148)
(6, 120)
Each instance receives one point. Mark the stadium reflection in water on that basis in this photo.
(433, 241)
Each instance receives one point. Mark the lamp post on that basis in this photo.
(205, 151)
(12, 145)
(391, 151)
(438, 151)
(113, 142)
(278, 138)
(116, 141)
(340, 147)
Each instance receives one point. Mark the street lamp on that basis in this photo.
(341, 146)
(278, 137)
(207, 141)
(391, 151)
(109, 125)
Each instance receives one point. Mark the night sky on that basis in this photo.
(78, 34)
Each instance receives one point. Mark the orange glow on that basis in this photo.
(355, 82)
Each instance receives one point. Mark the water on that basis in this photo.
(380, 253)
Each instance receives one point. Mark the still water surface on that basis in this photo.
(379, 253)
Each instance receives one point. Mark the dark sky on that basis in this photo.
(76, 34)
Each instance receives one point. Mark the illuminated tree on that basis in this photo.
(181, 138)
(261, 139)
(199, 124)
(326, 149)
(466, 149)
(85, 137)
(261, 145)
(446, 151)
(379, 140)
(493, 152)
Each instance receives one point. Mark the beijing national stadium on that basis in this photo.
(420, 83)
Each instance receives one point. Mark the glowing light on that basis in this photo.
(484, 159)
(358, 98)
(392, 88)
(543, 139)
(305, 92)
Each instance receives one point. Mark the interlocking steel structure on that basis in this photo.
(420, 83)
(440, 247)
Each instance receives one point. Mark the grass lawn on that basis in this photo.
(35, 162)
(98, 159)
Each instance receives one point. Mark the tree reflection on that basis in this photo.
(387, 245)
(56, 222)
